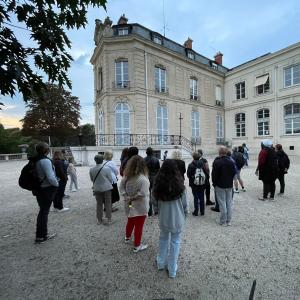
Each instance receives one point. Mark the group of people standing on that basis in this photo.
(150, 188)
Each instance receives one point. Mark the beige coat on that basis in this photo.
(135, 193)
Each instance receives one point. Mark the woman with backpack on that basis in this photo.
(169, 199)
(134, 189)
(197, 174)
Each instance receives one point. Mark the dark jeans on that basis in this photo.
(207, 192)
(269, 187)
(58, 201)
(44, 197)
(198, 199)
(282, 183)
(216, 202)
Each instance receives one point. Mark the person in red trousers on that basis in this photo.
(134, 189)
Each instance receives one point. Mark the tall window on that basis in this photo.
(240, 124)
(219, 129)
(292, 118)
(121, 68)
(162, 123)
(122, 127)
(100, 79)
(263, 122)
(262, 84)
(218, 93)
(240, 90)
(193, 89)
(195, 118)
(292, 75)
(160, 80)
(101, 128)
(157, 40)
(123, 31)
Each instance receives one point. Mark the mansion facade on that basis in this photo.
(150, 90)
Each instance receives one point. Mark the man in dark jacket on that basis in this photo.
(197, 190)
(238, 157)
(267, 169)
(153, 166)
(283, 162)
(223, 172)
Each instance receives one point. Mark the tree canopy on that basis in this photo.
(47, 22)
(54, 113)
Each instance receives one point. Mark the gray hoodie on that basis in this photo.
(172, 214)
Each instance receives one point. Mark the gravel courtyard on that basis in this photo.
(88, 261)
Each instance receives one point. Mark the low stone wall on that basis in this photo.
(13, 156)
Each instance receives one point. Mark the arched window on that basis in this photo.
(240, 124)
(263, 121)
(195, 124)
(122, 127)
(162, 123)
(219, 129)
(292, 118)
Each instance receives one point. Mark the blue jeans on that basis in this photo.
(198, 199)
(168, 257)
(224, 197)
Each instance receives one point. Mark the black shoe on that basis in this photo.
(45, 239)
(210, 203)
(195, 214)
(202, 214)
(214, 209)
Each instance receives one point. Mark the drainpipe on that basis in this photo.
(275, 110)
(147, 96)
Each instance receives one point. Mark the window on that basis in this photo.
(240, 125)
(240, 90)
(292, 118)
(157, 40)
(191, 55)
(193, 89)
(160, 80)
(100, 80)
(123, 31)
(262, 84)
(218, 93)
(101, 128)
(292, 75)
(263, 122)
(121, 74)
(122, 126)
(162, 124)
(195, 118)
(219, 129)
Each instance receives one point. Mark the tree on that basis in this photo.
(47, 22)
(86, 133)
(54, 113)
(10, 139)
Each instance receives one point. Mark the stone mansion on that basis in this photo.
(150, 90)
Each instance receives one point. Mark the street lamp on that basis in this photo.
(180, 119)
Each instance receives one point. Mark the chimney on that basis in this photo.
(123, 20)
(218, 58)
(188, 43)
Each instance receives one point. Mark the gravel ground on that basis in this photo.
(87, 261)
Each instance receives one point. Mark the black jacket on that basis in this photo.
(223, 171)
(283, 161)
(153, 166)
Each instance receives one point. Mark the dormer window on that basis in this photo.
(191, 55)
(214, 65)
(123, 31)
(157, 40)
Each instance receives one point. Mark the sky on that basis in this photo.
(241, 30)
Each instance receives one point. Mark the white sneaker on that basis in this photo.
(236, 191)
(127, 240)
(228, 224)
(64, 209)
(141, 247)
(73, 191)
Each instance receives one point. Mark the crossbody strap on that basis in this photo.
(99, 172)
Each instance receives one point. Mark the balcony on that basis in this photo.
(219, 103)
(162, 90)
(121, 84)
(195, 98)
(220, 141)
(196, 140)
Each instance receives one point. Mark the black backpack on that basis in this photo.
(29, 179)
(239, 160)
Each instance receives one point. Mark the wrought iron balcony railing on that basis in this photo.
(125, 84)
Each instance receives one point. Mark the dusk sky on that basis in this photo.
(240, 30)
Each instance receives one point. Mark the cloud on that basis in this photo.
(10, 121)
